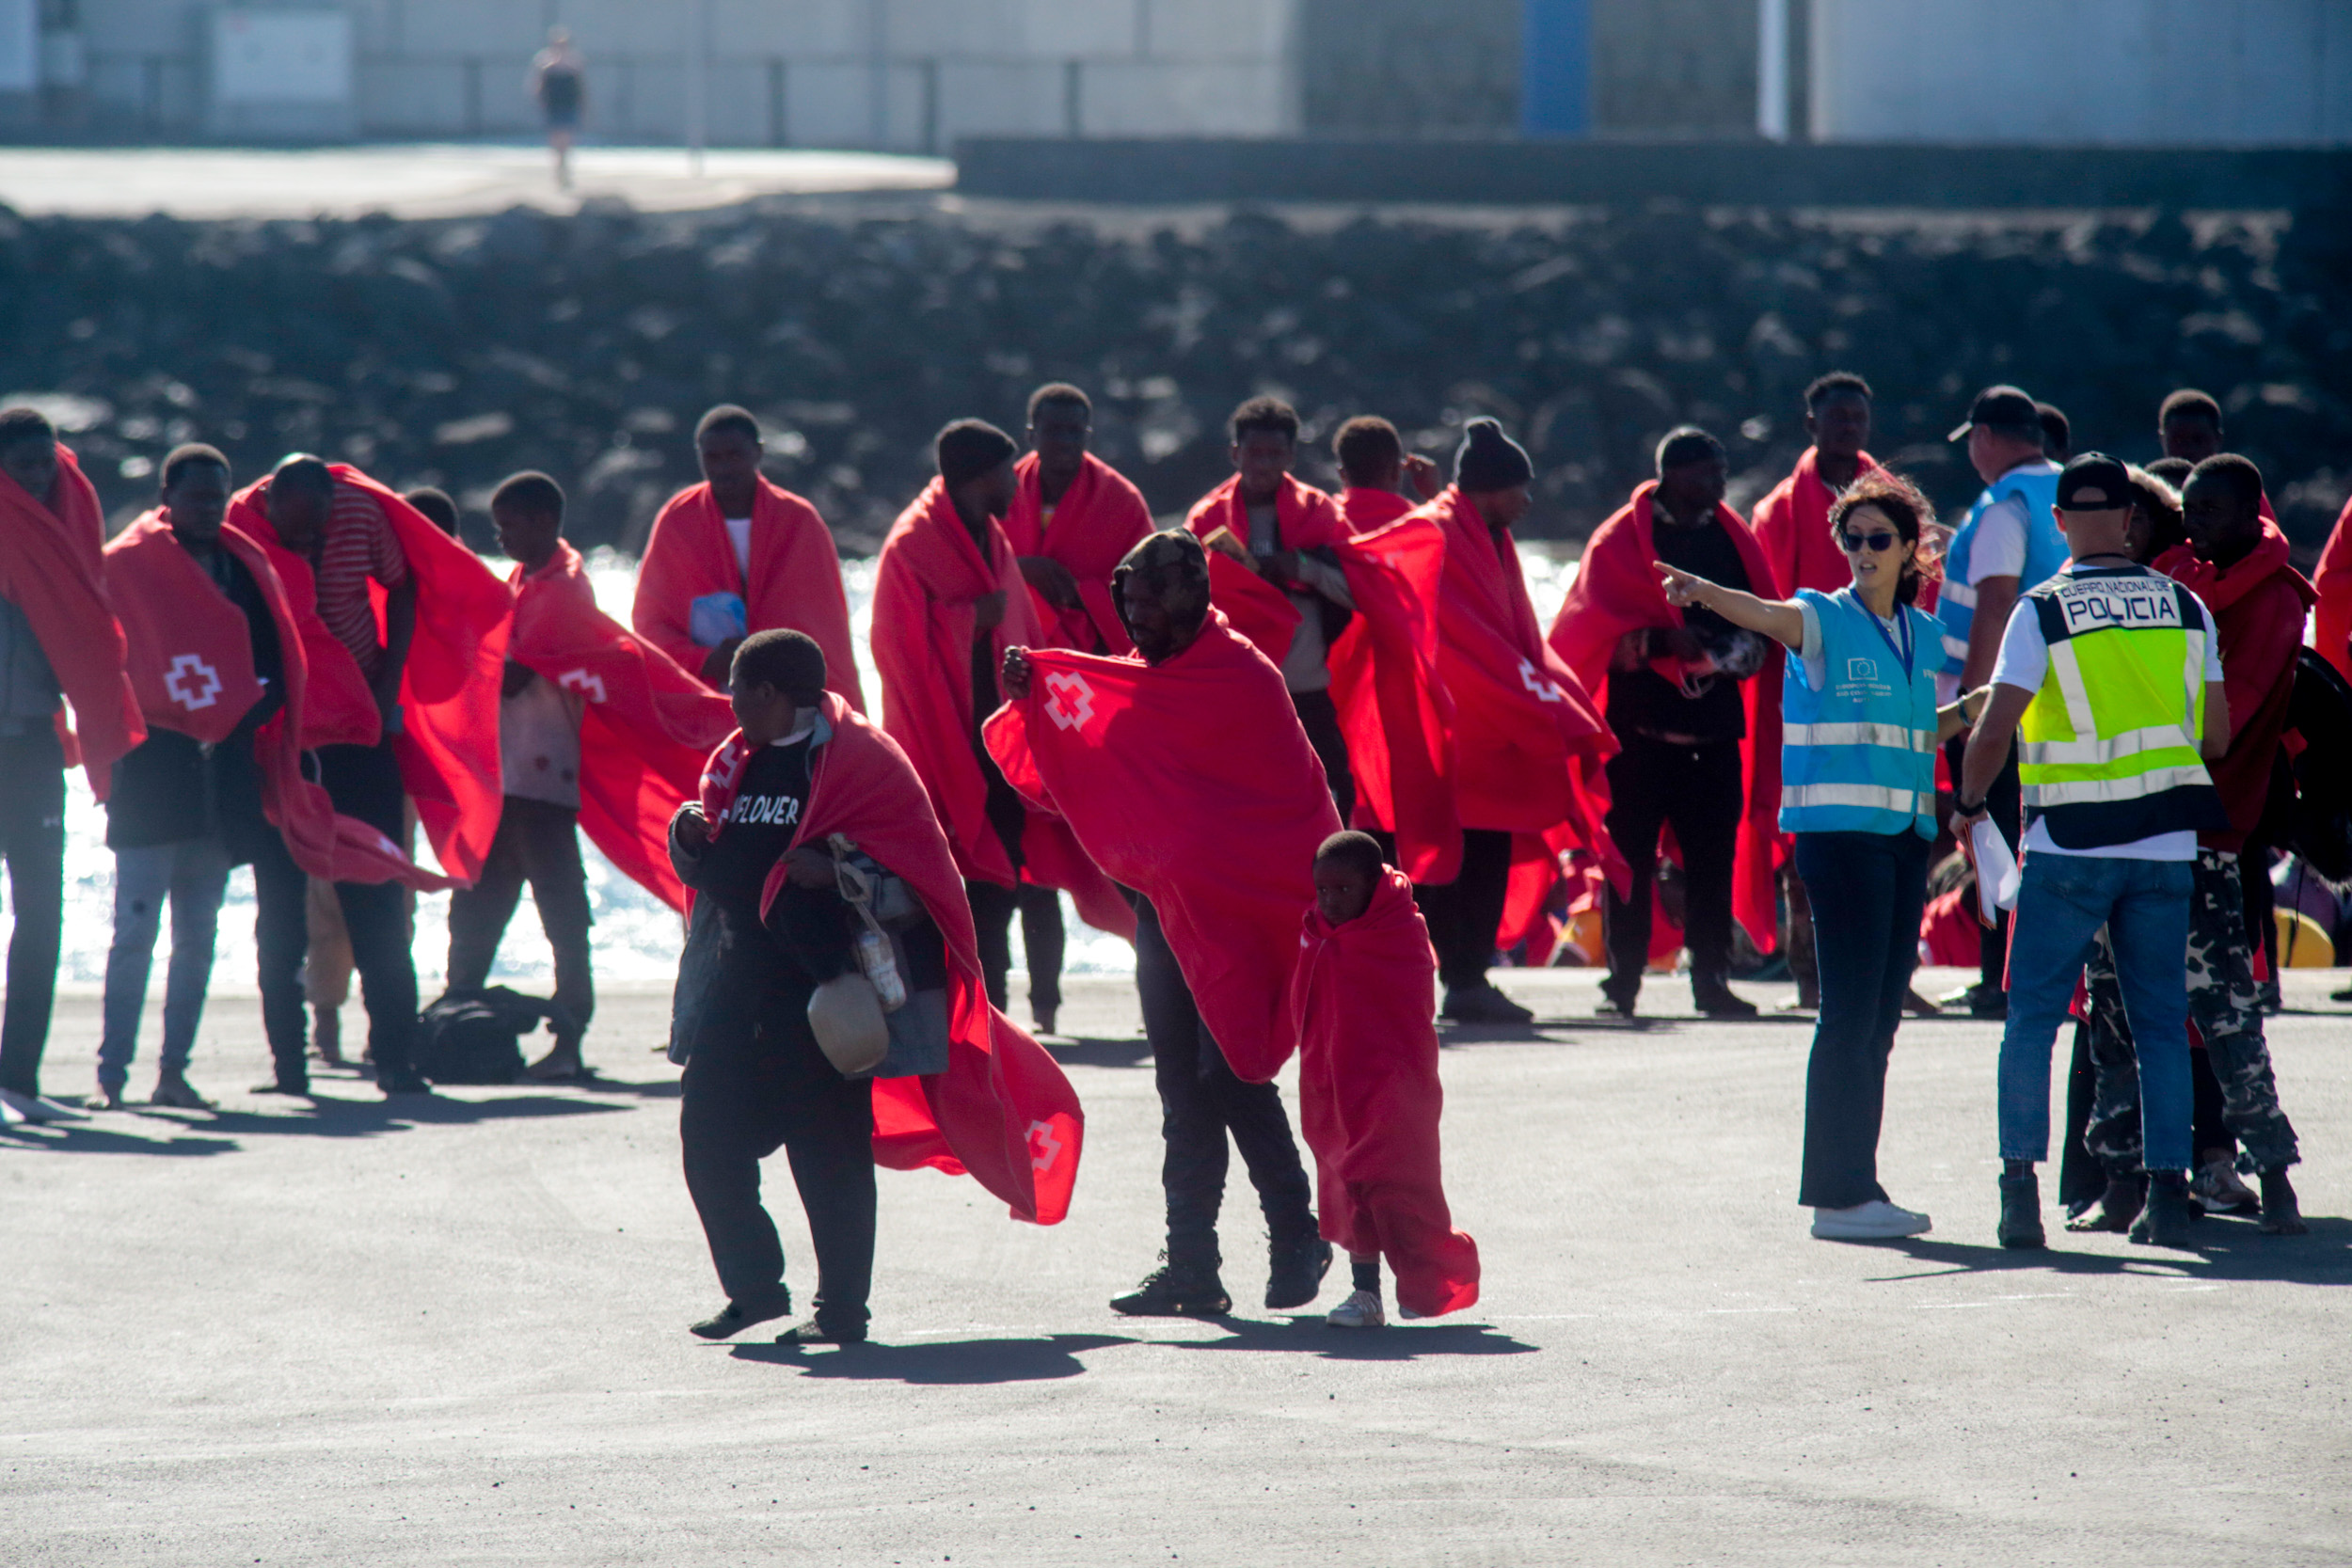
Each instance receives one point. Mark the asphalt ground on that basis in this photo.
(453, 1331)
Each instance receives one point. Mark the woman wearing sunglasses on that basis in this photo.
(1859, 732)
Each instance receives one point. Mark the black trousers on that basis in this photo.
(1319, 715)
(756, 1082)
(32, 840)
(2005, 802)
(1867, 891)
(282, 938)
(1700, 791)
(538, 842)
(1463, 913)
(1200, 1102)
(364, 782)
(1041, 935)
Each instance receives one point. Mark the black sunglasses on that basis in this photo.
(1853, 543)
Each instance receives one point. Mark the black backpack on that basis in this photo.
(475, 1036)
(2319, 822)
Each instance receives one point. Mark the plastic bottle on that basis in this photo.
(882, 967)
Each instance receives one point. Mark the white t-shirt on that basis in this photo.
(1998, 551)
(739, 532)
(539, 742)
(2023, 661)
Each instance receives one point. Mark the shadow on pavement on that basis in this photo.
(81, 1138)
(1134, 1050)
(940, 1362)
(2226, 1249)
(202, 1132)
(1311, 1336)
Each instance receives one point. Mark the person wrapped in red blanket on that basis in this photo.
(59, 645)
(1274, 573)
(1363, 998)
(426, 624)
(1694, 701)
(735, 555)
(218, 659)
(1072, 519)
(1528, 747)
(598, 730)
(949, 600)
(805, 779)
(2235, 561)
(1185, 774)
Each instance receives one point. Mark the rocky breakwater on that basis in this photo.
(453, 352)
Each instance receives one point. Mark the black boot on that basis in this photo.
(1174, 1289)
(2021, 1209)
(2281, 1215)
(1294, 1272)
(2165, 1220)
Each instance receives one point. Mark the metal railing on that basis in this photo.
(630, 96)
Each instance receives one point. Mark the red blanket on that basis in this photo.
(924, 587)
(190, 652)
(188, 641)
(340, 710)
(52, 570)
(647, 726)
(795, 579)
(1362, 1001)
(2258, 607)
(448, 745)
(1003, 1110)
(1617, 591)
(1385, 680)
(1097, 521)
(1791, 525)
(2331, 618)
(1528, 747)
(1192, 782)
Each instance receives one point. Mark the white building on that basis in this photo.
(899, 74)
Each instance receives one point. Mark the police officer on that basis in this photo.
(2109, 675)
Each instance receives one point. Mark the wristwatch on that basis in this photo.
(1962, 808)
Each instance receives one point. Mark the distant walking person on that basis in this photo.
(559, 80)
(1859, 730)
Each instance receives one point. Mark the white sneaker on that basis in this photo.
(1875, 1221)
(39, 1108)
(1360, 1310)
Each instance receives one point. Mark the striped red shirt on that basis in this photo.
(360, 544)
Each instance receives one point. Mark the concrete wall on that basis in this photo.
(2125, 73)
(903, 75)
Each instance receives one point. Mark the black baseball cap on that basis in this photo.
(1999, 406)
(2094, 482)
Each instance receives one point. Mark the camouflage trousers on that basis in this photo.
(2225, 1003)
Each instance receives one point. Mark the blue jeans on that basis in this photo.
(1866, 890)
(2063, 901)
(194, 874)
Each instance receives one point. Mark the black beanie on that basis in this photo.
(969, 448)
(1489, 460)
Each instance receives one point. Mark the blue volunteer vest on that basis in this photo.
(1858, 756)
(2045, 552)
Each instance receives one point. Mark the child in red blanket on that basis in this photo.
(1364, 1001)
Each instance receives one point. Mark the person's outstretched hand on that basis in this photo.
(1014, 679)
(1683, 589)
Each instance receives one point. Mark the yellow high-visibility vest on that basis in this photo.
(2108, 748)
